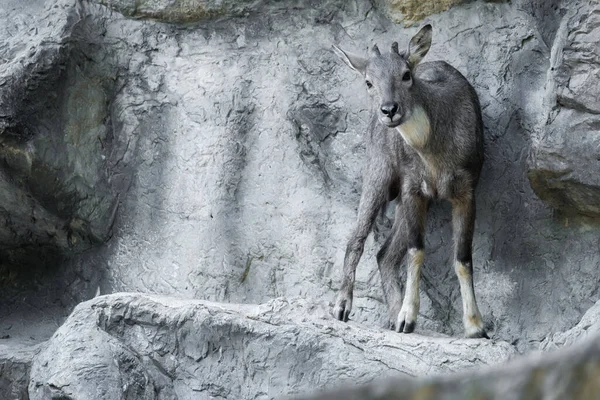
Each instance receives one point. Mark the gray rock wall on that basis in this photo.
(572, 373)
(566, 157)
(243, 136)
(15, 365)
(58, 192)
(213, 150)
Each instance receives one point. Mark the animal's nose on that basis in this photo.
(390, 108)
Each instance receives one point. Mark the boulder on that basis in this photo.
(565, 161)
(136, 346)
(213, 151)
(571, 373)
(586, 329)
(16, 357)
(57, 196)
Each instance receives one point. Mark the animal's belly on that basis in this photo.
(437, 187)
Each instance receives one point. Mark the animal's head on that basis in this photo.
(389, 77)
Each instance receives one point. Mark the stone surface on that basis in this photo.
(244, 145)
(565, 164)
(54, 133)
(219, 157)
(182, 11)
(411, 11)
(572, 373)
(588, 327)
(133, 346)
(16, 357)
(58, 194)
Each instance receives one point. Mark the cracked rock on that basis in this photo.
(565, 163)
(150, 347)
(213, 150)
(571, 373)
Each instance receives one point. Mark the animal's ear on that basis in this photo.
(355, 62)
(419, 45)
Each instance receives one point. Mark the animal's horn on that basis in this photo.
(395, 47)
(375, 50)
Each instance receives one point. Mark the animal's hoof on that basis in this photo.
(408, 327)
(479, 334)
(474, 327)
(342, 308)
(406, 322)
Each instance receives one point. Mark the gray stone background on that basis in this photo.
(213, 150)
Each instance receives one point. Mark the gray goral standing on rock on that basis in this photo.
(425, 141)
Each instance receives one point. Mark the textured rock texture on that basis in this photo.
(56, 194)
(565, 166)
(572, 373)
(130, 346)
(181, 11)
(15, 363)
(213, 150)
(411, 11)
(54, 137)
(242, 139)
(587, 328)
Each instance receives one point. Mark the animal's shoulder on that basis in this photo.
(438, 72)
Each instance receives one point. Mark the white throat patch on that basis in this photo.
(415, 131)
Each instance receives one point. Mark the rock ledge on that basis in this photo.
(151, 347)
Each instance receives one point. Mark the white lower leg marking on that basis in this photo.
(410, 305)
(471, 315)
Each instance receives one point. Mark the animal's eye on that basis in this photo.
(406, 76)
(369, 84)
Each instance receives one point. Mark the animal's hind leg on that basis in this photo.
(389, 259)
(415, 210)
(371, 201)
(463, 222)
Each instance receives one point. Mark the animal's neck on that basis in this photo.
(416, 131)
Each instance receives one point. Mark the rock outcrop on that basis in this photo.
(54, 136)
(131, 346)
(58, 191)
(572, 373)
(565, 163)
(16, 358)
(213, 150)
(586, 329)
(182, 11)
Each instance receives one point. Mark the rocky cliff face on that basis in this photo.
(168, 348)
(213, 150)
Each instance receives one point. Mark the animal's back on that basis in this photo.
(441, 74)
(447, 85)
(454, 96)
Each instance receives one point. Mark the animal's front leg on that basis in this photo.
(389, 259)
(415, 210)
(407, 317)
(463, 221)
(371, 201)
